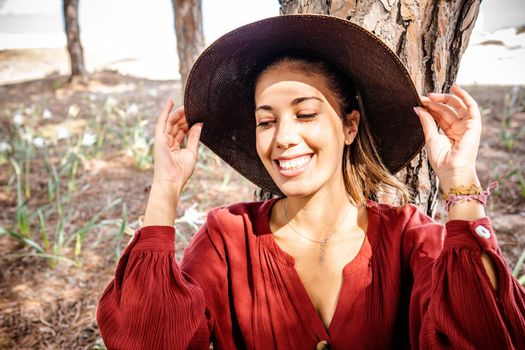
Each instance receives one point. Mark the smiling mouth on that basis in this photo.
(293, 164)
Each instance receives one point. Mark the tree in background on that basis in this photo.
(190, 37)
(74, 47)
(429, 36)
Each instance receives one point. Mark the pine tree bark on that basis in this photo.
(429, 36)
(190, 37)
(74, 46)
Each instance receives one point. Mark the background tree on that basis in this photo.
(429, 36)
(190, 37)
(74, 47)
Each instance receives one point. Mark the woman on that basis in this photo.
(321, 265)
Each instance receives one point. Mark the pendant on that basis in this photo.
(322, 246)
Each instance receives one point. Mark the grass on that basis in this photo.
(518, 268)
(513, 103)
(512, 132)
(42, 229)
(54, 241)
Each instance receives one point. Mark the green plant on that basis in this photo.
(23, 232)
(121, 232)
(101, 136)
(520, 180)
(70, 163)
(79, 234)
(22, 211)
(511, 105)
(508, 138)
(132, 135)
(518, 268)
(51, 247)
(142, 147)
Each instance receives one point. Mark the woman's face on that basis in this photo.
(299, 135)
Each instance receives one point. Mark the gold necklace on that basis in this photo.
(322, 243)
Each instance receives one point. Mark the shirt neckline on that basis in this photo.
(365, 251)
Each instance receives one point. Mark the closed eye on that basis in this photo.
(307, 116)
(265, 123)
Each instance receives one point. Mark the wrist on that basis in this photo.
(455, 178)
(161, 208)
(166, 187)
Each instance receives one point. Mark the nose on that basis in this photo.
(286, 135)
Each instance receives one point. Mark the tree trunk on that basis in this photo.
(429, 36)
(74, 47)
(190, 37)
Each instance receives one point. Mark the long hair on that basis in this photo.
(365, 175)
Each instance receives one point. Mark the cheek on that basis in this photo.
(328, 134)
(263, 140)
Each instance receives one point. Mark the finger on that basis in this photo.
(446, 115)
(193, 138)
(451, 100)
(428, 123)
(177, 115)
(169, 140)
(175, 120)
(470, 103)
(179, 136)
(178, 133)
(182, 124)
(161, 123)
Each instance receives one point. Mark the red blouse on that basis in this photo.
(414, 284)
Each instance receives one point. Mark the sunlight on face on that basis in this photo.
(299, 135)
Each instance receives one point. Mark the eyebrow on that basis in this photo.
(294, 102)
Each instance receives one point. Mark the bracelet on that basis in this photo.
(472, 192)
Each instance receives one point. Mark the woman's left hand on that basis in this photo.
(453, 154)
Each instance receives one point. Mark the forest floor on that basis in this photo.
(53, 307)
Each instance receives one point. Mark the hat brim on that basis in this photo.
(219, 89)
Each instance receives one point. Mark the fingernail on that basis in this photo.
(416, 110)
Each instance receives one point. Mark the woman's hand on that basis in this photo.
(453, 154)
(174, 163)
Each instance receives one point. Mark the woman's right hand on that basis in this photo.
(173, 163)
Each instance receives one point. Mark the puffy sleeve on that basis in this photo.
(452, 302)
(154, 304)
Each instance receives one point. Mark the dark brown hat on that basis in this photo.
(220, 92)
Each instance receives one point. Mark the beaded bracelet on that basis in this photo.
(472, 192)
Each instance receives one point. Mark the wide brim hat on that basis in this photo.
(219, 90)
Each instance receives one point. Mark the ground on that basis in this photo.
(54, 308)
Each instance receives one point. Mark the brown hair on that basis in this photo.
(364, 173)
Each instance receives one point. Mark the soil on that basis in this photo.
(46, 308)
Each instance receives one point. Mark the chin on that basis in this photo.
(297, 189)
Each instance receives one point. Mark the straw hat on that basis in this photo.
(220, 92)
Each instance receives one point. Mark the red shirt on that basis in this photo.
(414, 284)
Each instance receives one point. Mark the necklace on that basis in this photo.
(322, 243)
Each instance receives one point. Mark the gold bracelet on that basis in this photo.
(462, 190)
(473, 192)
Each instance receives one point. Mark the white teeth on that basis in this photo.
(295, 163)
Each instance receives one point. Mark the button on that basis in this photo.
(323, 345)
(482, 231)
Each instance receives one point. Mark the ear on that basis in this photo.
(350, 126)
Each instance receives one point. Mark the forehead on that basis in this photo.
(281, 79)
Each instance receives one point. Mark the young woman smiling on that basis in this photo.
(322, 265)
